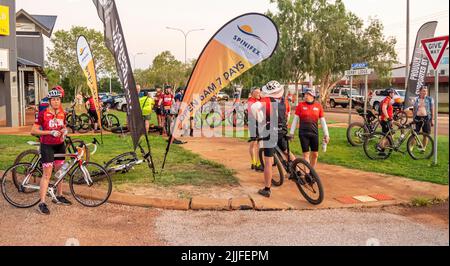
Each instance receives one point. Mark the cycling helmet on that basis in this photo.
(389, 91)
(60, 89)
(54, 94)
(273, 89)
(311, 92)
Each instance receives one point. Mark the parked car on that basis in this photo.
(340, 96)
(108, 101)
(379, 95)
(222, 96)
(145, 92)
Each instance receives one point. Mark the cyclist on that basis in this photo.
(166, 101)
(51, 127)
(387, 111)
(147, 103)
(92, 111)
(44, 103)
(255, 97)
(309, 113)
(271, 114)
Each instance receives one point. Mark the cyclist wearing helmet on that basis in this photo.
(44, 103)
(92, 111)
(387, 111)
(272, 111)
(309, 113)
(255, 97)
(166, 101)
(51, 127)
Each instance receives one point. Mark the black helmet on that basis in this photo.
(389, 91)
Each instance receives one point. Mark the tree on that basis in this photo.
(165, 70)
(322, 39)
(62, 58)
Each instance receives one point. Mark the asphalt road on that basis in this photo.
(113, 225)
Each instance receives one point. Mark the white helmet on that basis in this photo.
(54, 94)
(273, 89)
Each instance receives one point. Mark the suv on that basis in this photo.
(379, 95)
(340, 96)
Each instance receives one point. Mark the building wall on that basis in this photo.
(30, 48)
(9, 96)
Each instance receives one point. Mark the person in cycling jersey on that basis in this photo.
(271, 114)
(51, 127)
(309, 113)
(254, 141)
(167, 102)
(387, 111)
(92, 111)
(44, 103)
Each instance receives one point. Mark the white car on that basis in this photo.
(379, 96)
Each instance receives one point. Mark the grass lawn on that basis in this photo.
(182, 168)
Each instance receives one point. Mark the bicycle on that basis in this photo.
(400, 115)
(109, 121)
(89, 193)
(299, 171)
(358, 132)
(73, 121)
(236, 116)
(420, 146)
(127, 161)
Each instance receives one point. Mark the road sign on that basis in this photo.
(359, 72)
(360, 65)
(435, 48)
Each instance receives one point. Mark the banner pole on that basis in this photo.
(150, 155)
(351, 102)
(436, 113)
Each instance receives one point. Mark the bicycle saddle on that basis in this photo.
(33, 143)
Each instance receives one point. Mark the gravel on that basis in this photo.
(297, 228)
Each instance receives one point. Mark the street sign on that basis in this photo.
(360, 65)
(359, 72)
(435, 48)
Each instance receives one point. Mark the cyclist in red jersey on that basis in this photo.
(309, 113)
(255, 97)
(92, 111)
(166, 101)
(387, 111)
(51, 126)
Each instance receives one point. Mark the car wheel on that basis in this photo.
(124, 108)
(376, 106)
(332, 104)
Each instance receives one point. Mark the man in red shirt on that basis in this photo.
(255, 97)
(51, 126)
(387, 111)
(92, 111)
(309, 113)
(166, 101)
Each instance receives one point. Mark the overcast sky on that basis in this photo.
(145, 21)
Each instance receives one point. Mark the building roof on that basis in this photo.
(45, 23)
(26, 63)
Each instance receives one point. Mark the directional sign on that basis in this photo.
(359, 72)
(435, 48)
(360, 65)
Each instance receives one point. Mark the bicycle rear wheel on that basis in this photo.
(93, 190)
(277, 168)
(109, 122)
(18, 193)
(378, 146)
(421, 147)
(308, 181)
(402, 118)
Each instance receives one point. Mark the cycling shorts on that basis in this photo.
(309, 142)
(48, 155)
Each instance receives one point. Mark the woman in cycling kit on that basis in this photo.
(51, 127)
(308, 113)
(271, 114)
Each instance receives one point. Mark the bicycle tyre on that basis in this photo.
(114, 122)
(20, 159)
(402, 118)
(312, 178)
(353, 138)
(411, 144)
(84, 187)
(277, 181)
(6, 190)
(372, 141)
(120, 160)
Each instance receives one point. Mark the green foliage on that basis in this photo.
(62, 61)
(165, 70)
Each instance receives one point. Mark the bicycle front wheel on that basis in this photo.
(277, 168)
(93, 189)
(356, 134)
(378, 146)
(121, 162)
(421, 146)
(20, 185)
(308, 181)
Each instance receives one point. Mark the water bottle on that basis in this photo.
(62, 171)
(324, 147)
